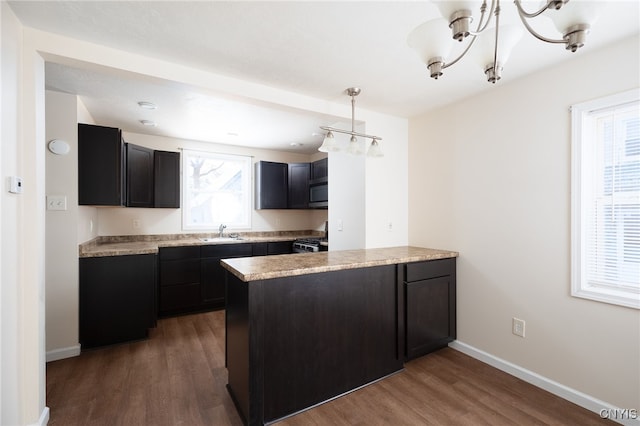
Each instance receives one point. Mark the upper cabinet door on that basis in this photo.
(101, 179)
(139, 176)
(320, 170)
(166, 179)
(271, 185)
(299, 185)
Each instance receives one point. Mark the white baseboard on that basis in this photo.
(586, 401)
(44, 418)
(63, 353)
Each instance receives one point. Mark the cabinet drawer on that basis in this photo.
(186, 252)
(227, 250)
(430, 269)
(181, 271)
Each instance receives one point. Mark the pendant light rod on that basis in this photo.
(353, 92)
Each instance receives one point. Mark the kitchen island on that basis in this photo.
(302, 329)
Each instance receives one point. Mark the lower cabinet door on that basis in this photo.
(117, 298)
(213, 282)
(428, 315)
(179, 298)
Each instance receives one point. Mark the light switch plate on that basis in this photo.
(56, 202)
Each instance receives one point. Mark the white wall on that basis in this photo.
(87, 216)
(387, 184)
(497, 189)
(22, 375)
(61, 230)
(10, 404)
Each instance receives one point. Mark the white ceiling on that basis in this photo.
(316, 48)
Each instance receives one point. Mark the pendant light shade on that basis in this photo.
(329, 143)
(575, 12)
(508, 37)
(374, 149)
(432, 42)
(354, 148)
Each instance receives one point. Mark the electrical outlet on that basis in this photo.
(390, 226)
(517, 326)
(136, 223)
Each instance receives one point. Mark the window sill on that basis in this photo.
(607, 295)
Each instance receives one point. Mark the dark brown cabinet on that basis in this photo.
(191, 278)
(139, 176)
(114, 173)
(298, 187)
(101, 166)
(294, 342)
(430, 306)
(320, 170)
(179, 280)
(272, 181)
(213, 275)
(287, 186)
(279, 247)
(166, 169)
(117, 299)
(298, 341)
(272, 247)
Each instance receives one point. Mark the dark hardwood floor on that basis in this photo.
(177, 377)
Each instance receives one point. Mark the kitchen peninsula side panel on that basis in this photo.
(294, 342)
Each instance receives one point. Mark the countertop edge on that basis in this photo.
(142, 244)
(435, 254)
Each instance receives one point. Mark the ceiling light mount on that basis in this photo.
(147, 105)
(329, 143)
(572, 19)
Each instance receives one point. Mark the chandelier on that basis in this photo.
(429, 39)
(329, 143)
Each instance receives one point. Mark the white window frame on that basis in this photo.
(247, 180)
(581, 137)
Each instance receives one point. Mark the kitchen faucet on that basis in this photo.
(221, 229)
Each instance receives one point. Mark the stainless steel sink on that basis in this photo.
(219, 239)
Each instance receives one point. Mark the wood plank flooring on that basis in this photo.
(177, 377)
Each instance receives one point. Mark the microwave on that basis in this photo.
(319, 195)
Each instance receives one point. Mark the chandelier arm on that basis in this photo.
(352, 133)
(495, 47)
(523, 12)
(464, 52)
(538, 36)
(483, 9)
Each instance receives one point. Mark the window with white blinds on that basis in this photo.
(606, 199)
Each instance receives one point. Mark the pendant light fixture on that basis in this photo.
(329, 144)
(573, 19)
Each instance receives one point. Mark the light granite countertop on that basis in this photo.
(149, 244)
(288, 265)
